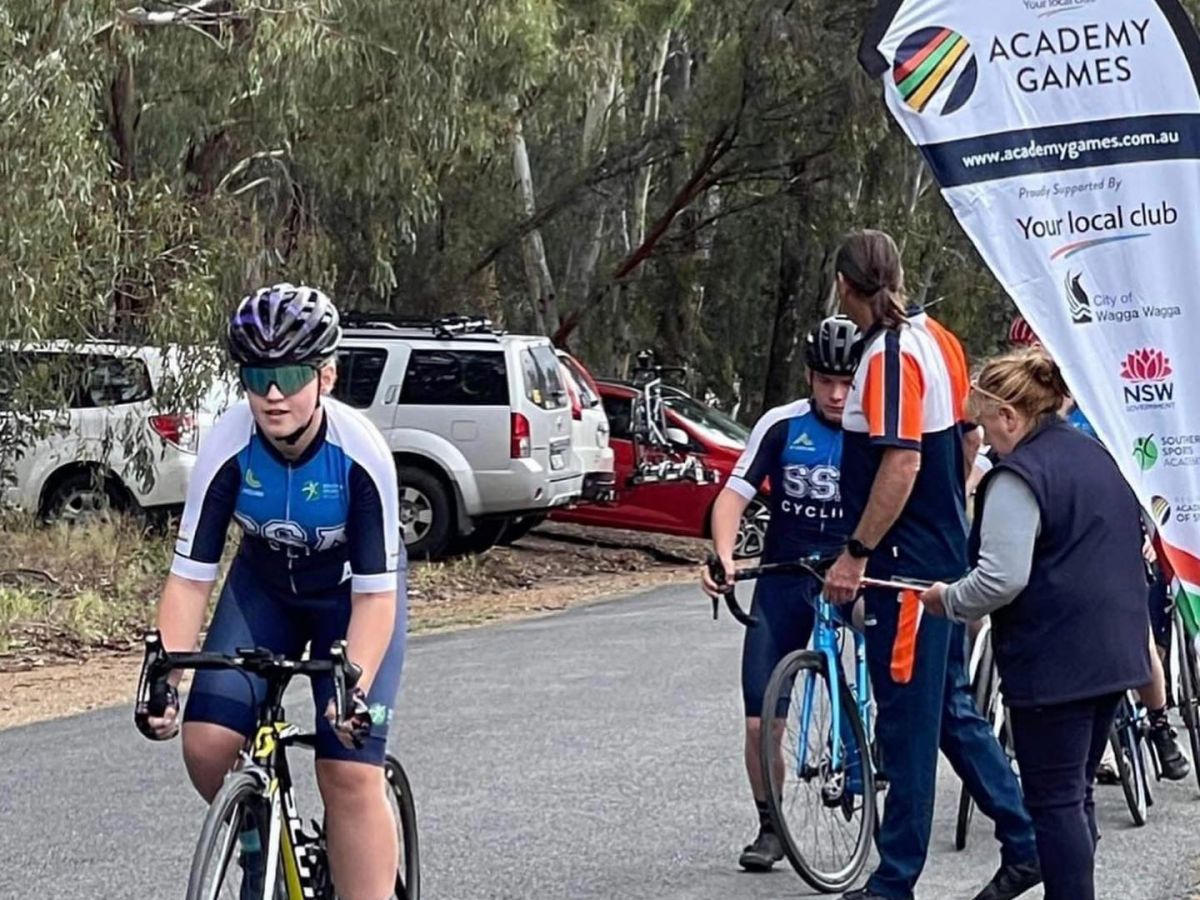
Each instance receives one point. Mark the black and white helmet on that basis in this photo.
(832, 347)
(284, 324)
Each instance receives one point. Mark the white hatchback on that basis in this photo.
(117, 440)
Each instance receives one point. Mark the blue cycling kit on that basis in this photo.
(798, 454)
(316, 530)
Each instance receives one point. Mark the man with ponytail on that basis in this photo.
(903, 485)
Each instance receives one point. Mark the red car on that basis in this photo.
(678, 507)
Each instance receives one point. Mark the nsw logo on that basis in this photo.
(935, 71)
(1147, 373)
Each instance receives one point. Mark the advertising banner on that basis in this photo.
(1065, 135)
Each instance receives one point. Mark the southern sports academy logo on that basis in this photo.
(935, 71)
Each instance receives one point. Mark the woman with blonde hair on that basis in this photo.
(1056, 551)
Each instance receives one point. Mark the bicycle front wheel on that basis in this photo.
(229, 859)
(1189, 691)
(408, 871)
(1131, 761)
(822, 807)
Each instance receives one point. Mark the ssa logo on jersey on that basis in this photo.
(819, 485)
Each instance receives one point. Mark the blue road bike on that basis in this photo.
(818, 759)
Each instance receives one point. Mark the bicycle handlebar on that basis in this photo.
(814, 566)
(158, 663)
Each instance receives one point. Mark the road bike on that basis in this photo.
(819, 761)
(1129, 746)
(254, 845)
(658, 458)
(1184, 673)
(985, 688)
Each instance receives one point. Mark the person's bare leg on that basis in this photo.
(209, 752)
(360, 829)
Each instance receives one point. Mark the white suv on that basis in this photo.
(479, 423)
(118, 442)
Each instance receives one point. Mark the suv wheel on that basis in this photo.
(425, 513)
(752, 533)
(83, 498)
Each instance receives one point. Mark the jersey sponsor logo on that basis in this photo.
(312, 491)
(802, 442)
(252, 481)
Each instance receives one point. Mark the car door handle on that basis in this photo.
(390, 396)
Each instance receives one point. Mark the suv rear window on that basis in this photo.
(76, 380)
(455, 378)
(587, 396)
(359, 373)
(543, 382)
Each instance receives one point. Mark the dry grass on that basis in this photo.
(67, 589)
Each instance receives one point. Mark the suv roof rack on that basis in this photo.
(444, 327)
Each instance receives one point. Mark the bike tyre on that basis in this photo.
(241, 790)
(782, 679)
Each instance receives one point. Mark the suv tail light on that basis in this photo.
(520, 439)
(573, 395)
(177, 430)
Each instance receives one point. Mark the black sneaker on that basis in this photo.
(1012, 881)
(1171, 761)
(762, 855)
(864, 893)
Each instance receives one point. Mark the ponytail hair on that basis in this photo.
(870, 261)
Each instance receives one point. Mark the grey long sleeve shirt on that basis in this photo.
(1010, 526)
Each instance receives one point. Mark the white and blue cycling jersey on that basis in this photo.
(799, 454)
(325, 523)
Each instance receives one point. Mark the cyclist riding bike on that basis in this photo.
(1174, 765)
(797, 450)
(313, 487)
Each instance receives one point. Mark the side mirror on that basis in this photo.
(678, 436)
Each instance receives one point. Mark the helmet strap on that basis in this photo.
(295, 436)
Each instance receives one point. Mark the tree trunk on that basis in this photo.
(533, 252)
(777, 384)
(641, 191)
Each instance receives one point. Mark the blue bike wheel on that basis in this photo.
(817, 766)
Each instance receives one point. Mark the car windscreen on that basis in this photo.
(720, 427)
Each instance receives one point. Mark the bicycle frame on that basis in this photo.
(825, 641)
(265, 756)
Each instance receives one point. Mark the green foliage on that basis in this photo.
(159, 163)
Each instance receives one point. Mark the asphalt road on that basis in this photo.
(592, 754)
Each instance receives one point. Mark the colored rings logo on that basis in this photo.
(935, 70)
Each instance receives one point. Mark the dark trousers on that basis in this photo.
(1058, 748)
(933, 710)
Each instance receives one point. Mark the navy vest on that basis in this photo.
(1080, 628)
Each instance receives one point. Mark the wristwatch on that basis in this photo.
(857, 549)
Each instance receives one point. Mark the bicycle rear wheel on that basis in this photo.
(1131, 761)
(1189, 691)
(228, 863)
(408, 872)
(824, 814)
(984, 686)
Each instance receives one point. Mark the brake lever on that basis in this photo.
(716, 570)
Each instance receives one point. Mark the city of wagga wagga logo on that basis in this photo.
(1071, 56)
(1077, 223)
